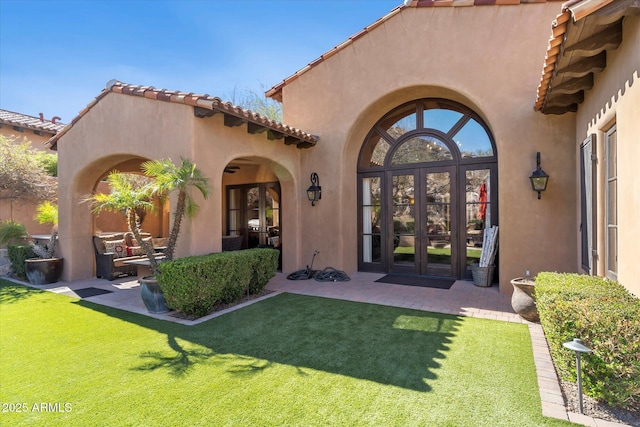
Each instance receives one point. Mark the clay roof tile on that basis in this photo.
(189, 98)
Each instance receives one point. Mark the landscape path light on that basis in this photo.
(577, 346)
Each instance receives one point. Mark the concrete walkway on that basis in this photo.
(463, 299)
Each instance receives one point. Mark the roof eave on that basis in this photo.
(593, 26)
(200, 103)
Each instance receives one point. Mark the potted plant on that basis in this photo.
(45, 268)
(131, 195)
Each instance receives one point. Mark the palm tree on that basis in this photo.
(169, 177)
(129, 194)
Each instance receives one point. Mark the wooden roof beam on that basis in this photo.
(573, 85)
(609, 38)
(303, 144)
(563, 100)
(254, 128)
(273, 135)
(232, 121)
(561, 110)
(590, 64)
(290, 140)
(203, 112)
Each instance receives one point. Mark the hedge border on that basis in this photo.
(196, 285)
(606, 317)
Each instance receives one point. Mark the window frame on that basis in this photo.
(611, 218)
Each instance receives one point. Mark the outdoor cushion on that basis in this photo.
(117, 247)
(159, 241)
(134, 242)
(134, 250)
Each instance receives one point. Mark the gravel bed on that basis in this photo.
(596, 409)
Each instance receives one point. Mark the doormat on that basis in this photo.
(90, 292)
(425, 282)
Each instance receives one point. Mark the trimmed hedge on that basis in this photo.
(196, 285)
(607, 318)
(17, 255)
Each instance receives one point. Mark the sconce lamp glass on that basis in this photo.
(539, 178)
(314, 192)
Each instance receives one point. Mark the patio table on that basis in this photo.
(142, 265)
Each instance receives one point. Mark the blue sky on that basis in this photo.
(56, 56)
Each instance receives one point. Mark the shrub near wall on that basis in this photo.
(196, 285)
(17, 255)
(607, 318)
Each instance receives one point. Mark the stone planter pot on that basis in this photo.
(43, 271)
(152, 295)
(523, 299)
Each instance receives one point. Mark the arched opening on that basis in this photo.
(153, 223)
(427, 188)
(82, 223)
(252, 204)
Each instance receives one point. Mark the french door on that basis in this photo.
(420, 217)
(253, 211)
(427, 221)
(427, 190)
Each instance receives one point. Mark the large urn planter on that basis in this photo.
(523, 299)
(43, 271)
(152, 295)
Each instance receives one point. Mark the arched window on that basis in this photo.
(431, 129)
(427, 187)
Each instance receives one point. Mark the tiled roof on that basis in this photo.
(204, 105)
(276, 91)
(30, 122)
(577, 49)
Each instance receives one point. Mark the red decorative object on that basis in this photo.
(482, 199)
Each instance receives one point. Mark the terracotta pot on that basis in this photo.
(523, 299)
(43, 271)
(152, 295)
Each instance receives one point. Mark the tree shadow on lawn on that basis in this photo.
(387, 345)
(12, 292)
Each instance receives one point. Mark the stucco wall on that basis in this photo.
(37, 141)
(117, 129)
(488, 58)
(124, 130)
(615, 99)
(216, 146)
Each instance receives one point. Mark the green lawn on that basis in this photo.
(440, 255)
(288, 360)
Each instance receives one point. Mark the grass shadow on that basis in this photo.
(178, 364)
(387, 345)
(14, 292)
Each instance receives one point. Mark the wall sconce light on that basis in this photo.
(539, 178)
(314, 193)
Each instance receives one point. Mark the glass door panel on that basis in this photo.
(477, 213)
(403, 219)
(271, 235)
(253, 211)
(439, 247)
(253, 216)
(371, 218)
(234, 208)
